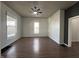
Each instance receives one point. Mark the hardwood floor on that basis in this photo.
(40, 48)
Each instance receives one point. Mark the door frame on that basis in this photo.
(69, 31)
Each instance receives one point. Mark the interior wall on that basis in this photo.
(0, 27)
(74, 27)
(56, 26)
(4, 9)
(28, 27)
(70, 12)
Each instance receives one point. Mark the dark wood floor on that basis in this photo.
(40, 48)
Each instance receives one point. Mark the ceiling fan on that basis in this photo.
(36, 10)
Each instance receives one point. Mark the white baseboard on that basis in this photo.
(67, 45)
(75, 41)
(53, 39)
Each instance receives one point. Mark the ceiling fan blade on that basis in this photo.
(38, 9)
(39, 12)
(32, 9)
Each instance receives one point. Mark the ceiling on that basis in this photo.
(47, 7)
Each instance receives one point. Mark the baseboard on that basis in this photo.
(53, 40)
(63, 45)
(37, 37)
(75, 41)
(8, 46)
(67, 45)
(5, 48)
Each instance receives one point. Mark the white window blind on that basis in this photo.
(11, 25)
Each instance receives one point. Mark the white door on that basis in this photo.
(73, 30)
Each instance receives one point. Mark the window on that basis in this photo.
(11, 26)
(36, 27)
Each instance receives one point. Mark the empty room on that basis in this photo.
(39, 29)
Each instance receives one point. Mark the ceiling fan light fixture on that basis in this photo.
(35, 12)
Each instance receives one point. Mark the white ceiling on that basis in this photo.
(47, 7)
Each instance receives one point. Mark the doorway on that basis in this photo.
(73, 30)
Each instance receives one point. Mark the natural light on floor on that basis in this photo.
(36, 45)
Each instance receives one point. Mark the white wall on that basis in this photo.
(0, 30)
(6, 42)
(28, 27)
(74, 28)
(56, 26)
